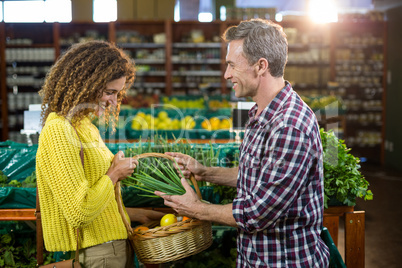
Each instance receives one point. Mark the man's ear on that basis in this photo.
(261, 66)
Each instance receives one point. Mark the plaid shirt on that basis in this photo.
(279, 203)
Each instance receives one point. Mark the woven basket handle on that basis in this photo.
(118, 191)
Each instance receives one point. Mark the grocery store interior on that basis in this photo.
(344, 60)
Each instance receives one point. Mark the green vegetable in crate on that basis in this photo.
(164, 178)
(3, 179)
(30, 181)
(14, 183)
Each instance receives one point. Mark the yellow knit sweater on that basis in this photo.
(71, 195)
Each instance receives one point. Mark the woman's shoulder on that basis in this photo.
(55, 124)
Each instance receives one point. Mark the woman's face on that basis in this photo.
(109, 96)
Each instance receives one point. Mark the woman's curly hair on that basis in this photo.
(75, 83)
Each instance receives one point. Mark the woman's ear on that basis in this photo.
(262, 66)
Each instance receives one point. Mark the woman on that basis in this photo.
(88, 81)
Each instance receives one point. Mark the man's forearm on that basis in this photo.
(221, 214)
(221, 176)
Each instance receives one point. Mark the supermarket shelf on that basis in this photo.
(141, 45)
(151, 85)
(29, 45)
(149, 61)
(197, 45)
(180, 85)
(154, 73)
(293, 62)
(306, 46)
(197, 73)
(196, 61)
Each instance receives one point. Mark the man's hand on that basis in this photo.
(188, 165)
(187, 204)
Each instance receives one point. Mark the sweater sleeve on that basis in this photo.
(60, 162)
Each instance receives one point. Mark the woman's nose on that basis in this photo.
(113, 100)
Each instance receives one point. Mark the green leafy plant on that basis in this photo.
(342, 179)
(3, 179)
(29, 182)
(19, 249)
(163, 178)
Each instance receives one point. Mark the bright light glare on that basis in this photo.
(222, 12)
(278, 17)
(205, 17)
(105, 10)
(58, 10)
(323, 11)
(1, 13)
(177, 11)
(24, 11)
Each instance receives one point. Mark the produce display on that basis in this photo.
(138, 99)
(219, 104)
(162, 121)
(197, 103)
(215, 123)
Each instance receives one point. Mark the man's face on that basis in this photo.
(239, 72)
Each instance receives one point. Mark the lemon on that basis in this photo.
(163, 115)
(135, 125)
(161, 126)
(141, 114)
(168, 219)
(206, 124)
(176, 124)
(225, 124)
(214, 123)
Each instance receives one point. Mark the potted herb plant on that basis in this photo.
(343, 182)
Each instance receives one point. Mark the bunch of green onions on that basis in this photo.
(164, 179)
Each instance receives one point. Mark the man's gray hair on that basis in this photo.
(262, 39)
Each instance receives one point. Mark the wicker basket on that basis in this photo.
(168, 243)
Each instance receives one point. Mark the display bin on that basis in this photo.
(17, 160)
(17, 197)
(216, 134)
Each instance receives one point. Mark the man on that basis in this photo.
(278, 209)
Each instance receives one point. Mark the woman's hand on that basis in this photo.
(189, 165)
(121, 167)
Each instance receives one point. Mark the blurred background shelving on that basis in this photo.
(344, 61)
